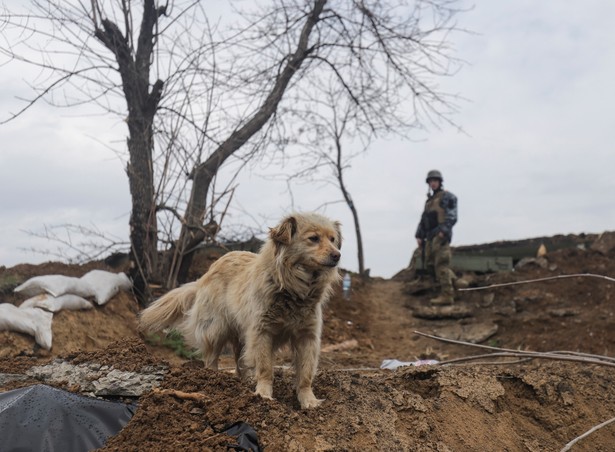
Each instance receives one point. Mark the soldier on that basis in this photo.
(434, 234)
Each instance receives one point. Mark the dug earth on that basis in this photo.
(490, 403)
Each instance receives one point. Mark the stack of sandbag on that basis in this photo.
(99, 284)
(32, 321)
(50, 303)
(52, 293)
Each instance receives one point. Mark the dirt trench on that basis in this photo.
(532, 406)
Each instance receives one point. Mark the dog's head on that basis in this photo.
(308, 239)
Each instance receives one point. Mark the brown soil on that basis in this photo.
(538, 405)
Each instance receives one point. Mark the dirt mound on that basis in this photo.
(413, 409)
(538, 405)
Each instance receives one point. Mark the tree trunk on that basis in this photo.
(351, 206)
(357, 229)
(143, 224)
(142, 106)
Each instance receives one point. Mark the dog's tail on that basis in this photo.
(169, 309)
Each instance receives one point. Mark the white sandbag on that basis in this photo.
(54, 304)
(33, 301)
(55, 285)
(32, 321)
(100, 284)
(104, 285)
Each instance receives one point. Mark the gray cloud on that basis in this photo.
(537, 157)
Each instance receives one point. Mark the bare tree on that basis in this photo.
(380, 56)
(339, 166)
(240, 88)
(76, 243)
(106, 52)
(335, 137)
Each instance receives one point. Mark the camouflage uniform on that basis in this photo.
(439, 217)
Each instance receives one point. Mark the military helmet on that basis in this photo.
(434, 174)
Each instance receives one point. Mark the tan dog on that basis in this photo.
(259, 302)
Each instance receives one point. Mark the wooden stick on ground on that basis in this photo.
(506, 352)
(586, 434)
(196, 396)
(548, 278)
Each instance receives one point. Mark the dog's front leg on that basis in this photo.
(240, 366)
(307, 351)
(261, 354)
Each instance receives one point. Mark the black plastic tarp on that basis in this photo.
(42, 418)
(247, 439)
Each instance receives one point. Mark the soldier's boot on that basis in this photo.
(446, 296)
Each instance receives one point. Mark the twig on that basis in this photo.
(587, 355)
(196, 396)
(577, 275)
(593, 359)
(453, 341)
(340, 346)
(586, 434)
(485, 363)
(539, 355)
(212, 436)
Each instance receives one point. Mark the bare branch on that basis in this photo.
(569, 445)
(503, 352)
(199, 95)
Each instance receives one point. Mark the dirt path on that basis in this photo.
(391, 325)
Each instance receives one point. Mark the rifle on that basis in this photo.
(427, 223)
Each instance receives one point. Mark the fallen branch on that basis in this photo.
(487, 363)
(504, 352)
(346, 345)
(195, 396)
(538, 355)
(356, 369)
(586, 434)
(587, 355)
(577, 275)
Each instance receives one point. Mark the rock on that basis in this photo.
(563, 312)
(474, 333)
(461, 283)
(541, 262)
(507, 308)
(604, 243)
(128, 384)
(345, 345)
(455, 311)
(98, 380)
(9, 378)
(487, 300)
(418, 286)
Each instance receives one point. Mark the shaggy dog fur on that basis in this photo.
(259, 302)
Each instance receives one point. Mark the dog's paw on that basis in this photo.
(265, 391)
(309, 401)
(263, 396)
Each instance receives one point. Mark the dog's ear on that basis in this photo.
(283, 233)
(338, 230)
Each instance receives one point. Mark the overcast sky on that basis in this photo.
(536, 158)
